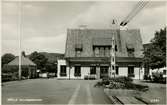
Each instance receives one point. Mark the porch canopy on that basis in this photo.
(104, 61)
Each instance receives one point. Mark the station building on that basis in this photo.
(87, 53)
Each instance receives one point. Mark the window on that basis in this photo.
(101, 51)
(77, 71)
(63, 70)
(117, 70)
(131, 71)
(93, 70)
(130, 52)
(78, 49)
(96, 52)
(103, 71)
(78, 53)
(107, 51)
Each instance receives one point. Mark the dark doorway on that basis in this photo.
(77, 71)
(131, 71)
(104, 71)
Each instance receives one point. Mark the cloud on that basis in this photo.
(100, 15)
(148, 20)
(45, 44)
(44, 24)
(10, 46)
(10, 32)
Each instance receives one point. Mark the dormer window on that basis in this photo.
(96, 52)
(78, 49)
(130, 50)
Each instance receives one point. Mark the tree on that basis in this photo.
(51, 67)
(6, 58)
(155, 53)
(39, 59)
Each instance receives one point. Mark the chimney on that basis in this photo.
(82, 26)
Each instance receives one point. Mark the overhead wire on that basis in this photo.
(137, 8)
(134, 11)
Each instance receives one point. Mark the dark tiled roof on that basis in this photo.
(102, 41)
(24, 61)
(89, 37)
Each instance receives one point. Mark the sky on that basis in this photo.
(43, 25)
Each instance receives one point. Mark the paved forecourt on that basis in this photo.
(53, 91)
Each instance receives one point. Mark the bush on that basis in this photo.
(121, 79)
(147, 77)
(158, 77)
(118, 80)
(121, 83)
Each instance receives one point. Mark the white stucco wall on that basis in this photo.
(61, 62)
(70, 72)
(123, 71)
(139, 73)
(85, 71)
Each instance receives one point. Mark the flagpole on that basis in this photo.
(19, 32)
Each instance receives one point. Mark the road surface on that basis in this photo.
(53, 91)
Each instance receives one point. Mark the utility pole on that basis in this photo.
(20, 32)
(112, 52)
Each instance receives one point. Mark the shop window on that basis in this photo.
(131, 71)
(93, 70)
(63, 70)
(117, 70)
(104, 71)
(77, 71)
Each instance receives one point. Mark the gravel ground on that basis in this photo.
(53, 91)
(156, 93)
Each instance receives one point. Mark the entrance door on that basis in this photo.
(104, 71)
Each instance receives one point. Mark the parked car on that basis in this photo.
(43, 75)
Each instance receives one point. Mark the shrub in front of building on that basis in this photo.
(121, 83)
(158, 77)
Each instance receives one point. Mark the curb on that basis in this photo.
(113, 99)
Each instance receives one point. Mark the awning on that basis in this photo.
(103, 59)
